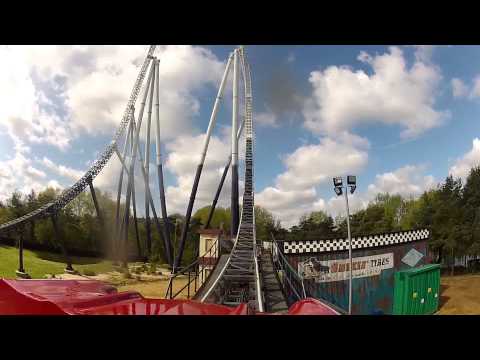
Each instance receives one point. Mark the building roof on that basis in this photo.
(212, 232)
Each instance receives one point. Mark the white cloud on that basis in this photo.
(18, 173)
(423, 53)
(182, 161)
(311, 165)
(266, 119)
(289, 205)
(20, 113)
(62, 170)
(393, 94)
(462, 166)
(475, 88)
(53, 93)
(407, 181)
(294, 193)
(459, 89)
(291, 57)
(286, 205)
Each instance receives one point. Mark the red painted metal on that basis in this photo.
(311, 306)
(89, 297)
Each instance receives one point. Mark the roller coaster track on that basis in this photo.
(239, 280)
(71, 193)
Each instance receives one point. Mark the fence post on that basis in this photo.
(196, 278)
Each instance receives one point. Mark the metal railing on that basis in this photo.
(292, 283)
(195, 275)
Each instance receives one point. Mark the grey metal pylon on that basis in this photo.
(198, 173)
(222, 180)
(132, 165)
(147, 158)
(135, 220)
(147, 189)
(117, 231)
(166, 228)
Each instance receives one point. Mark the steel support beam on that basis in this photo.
(135, 220)
(133, 159)
(101, 220)
(21, 273)
(166, 226)
(222, 180)
(193, 194)
(116, 233)
(61, 240)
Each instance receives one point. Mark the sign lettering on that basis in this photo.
(339, 270)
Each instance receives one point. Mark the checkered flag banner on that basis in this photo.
(359, 242)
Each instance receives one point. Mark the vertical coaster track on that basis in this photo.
(239, 279)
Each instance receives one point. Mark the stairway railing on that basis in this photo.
(194, 274)
(292, 283)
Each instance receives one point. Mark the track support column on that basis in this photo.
(21, 273)
(60, 239)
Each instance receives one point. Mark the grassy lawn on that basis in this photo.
(40, 263)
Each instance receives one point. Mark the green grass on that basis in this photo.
(39, 263)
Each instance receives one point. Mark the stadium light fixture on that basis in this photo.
(337, 181)
(352, 180)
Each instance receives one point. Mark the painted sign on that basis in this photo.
(412, 258)
(339, 270)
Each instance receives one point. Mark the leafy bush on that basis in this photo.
(153, 268)
(88, 272)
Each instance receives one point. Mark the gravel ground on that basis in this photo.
(460, 295)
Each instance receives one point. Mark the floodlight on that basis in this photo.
(351, 180)
(352, 189)
(337, 181)
(338, 191)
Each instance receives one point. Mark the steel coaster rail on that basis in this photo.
(209, 291)
(243, 259)
(71, 193)
(213, 251)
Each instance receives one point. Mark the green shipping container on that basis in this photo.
(417, 290)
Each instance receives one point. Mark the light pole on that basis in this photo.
(338, 187)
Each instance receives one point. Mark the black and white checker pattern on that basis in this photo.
(359, 242)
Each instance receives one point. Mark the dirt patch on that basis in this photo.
(157, 289)
(460, 295)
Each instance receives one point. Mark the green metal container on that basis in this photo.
(417, 290)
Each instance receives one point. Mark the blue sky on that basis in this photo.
(401, 118)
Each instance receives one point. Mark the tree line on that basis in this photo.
(84, 234)
(451, 211)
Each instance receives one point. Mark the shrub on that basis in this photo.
(88, 272)
(153, 268)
